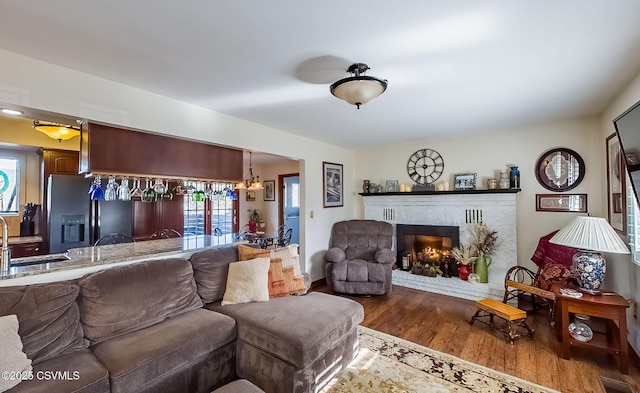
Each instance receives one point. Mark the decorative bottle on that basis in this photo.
(514, 177)
(503, 183)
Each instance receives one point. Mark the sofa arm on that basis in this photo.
(335, 254)
(386, 256)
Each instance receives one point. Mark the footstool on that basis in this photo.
(239, 386)
(514, 317)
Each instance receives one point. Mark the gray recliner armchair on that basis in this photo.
(360, 258)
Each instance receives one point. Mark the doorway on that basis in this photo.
(289, 204)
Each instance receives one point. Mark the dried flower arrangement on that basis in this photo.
(483, 239)
(464, 255)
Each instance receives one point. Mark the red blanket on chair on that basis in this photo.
(552, 253)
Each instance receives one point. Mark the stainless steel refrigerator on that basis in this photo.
(74, 220)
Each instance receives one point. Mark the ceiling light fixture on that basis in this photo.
(358, 89)
(14, 112)
(251, 182)
(61, 132)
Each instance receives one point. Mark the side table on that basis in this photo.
(609, 306)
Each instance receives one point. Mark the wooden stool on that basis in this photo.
(515, 318)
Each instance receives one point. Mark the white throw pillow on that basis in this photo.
(13, 362)
(248, 281)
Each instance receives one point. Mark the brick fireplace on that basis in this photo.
(462, 209)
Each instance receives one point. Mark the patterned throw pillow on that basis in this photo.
(552, 272)
(284, 272)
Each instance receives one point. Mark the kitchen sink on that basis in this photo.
(39, 260)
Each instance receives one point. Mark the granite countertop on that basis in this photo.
(24, 239)
(95, 257)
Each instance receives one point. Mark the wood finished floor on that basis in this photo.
(442, 323)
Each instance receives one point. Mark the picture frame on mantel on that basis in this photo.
(464, 181)
(332, 185)
(616, 186)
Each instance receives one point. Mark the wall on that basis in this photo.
(18, 138)
(489, 153)
(32, 83)
(623, 276)
(269, 209)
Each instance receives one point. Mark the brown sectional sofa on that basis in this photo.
(158, 326)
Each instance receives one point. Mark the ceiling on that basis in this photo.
(453, 67)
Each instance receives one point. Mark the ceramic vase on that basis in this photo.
(464, 271)
(482, 267)
(514, 177)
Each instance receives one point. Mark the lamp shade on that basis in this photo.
(590, 233)
(57, 131)
(358, 90)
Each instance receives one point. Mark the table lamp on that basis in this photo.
(592, 236)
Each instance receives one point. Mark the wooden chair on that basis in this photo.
(525, 285)
(519, 284)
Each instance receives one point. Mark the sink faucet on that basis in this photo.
(4, 251)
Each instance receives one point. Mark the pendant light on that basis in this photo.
(251, 182)
(358, 89)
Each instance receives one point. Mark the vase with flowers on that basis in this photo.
(465, 256)
(484, 241)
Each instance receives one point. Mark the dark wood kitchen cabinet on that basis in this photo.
(150, 217)
(26, 249)
(60, 162)
(107, 149)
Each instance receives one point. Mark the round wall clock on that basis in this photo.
(560, 169)
(425, 166)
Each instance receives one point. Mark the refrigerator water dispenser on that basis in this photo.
(72, 229)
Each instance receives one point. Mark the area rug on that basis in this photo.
(389, 364)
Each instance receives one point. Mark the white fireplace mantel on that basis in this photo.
(497, 210)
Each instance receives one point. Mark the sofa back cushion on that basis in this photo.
(210, 269)
(48, 317)
(127, 298)
(360, 239)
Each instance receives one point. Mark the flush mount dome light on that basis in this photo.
(358, 89)
(61, 132)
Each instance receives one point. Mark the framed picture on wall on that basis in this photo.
(269, 190)
(332, 194)
(616, 187)
(570, 203)
(251, 196)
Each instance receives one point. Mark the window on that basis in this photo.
(221, 208)
(633, 223)
(9, 184)
(216, 208)
(194, 211)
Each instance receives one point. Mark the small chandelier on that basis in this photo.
(358, 89)
(251, 182)
(61, 132)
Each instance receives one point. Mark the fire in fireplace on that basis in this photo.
(427, 246)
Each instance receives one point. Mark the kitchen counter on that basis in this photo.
(24, 239)
(90, 259)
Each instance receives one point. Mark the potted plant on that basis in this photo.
(484, 241)
(255, 217)
(465, 256)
